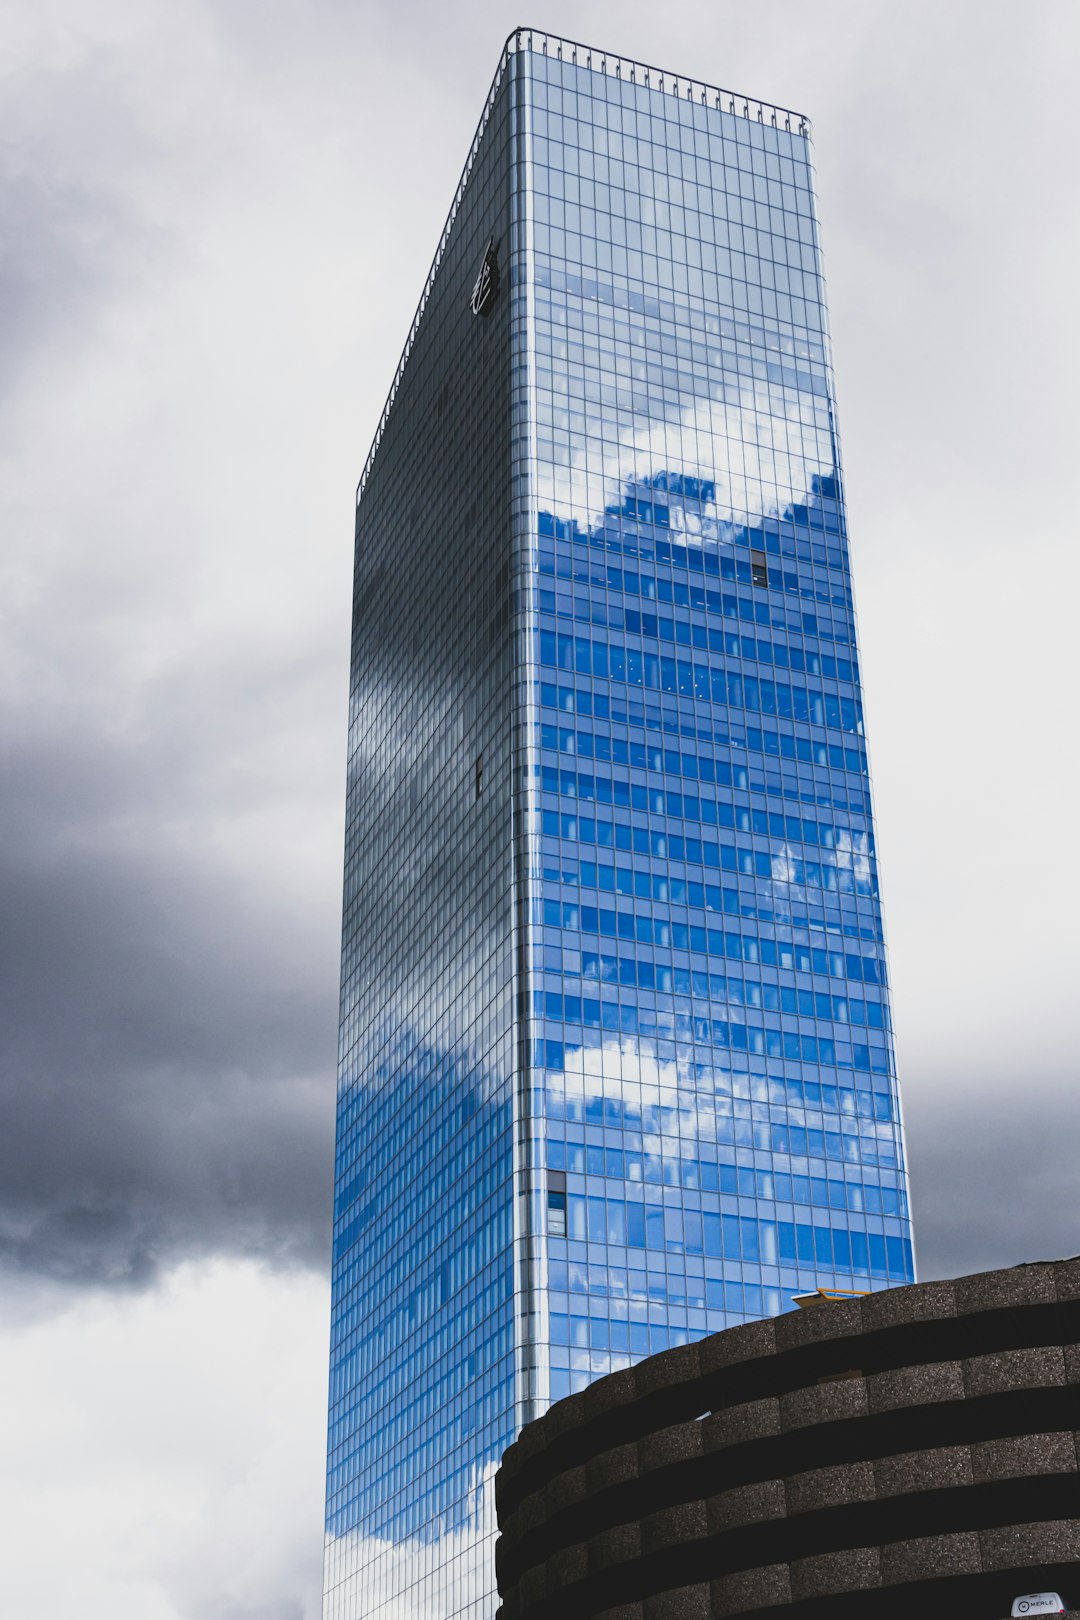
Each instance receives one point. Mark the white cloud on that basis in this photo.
(163, 1454)
(760, 462)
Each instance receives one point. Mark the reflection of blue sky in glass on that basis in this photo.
(669, 1030)
(709, 989)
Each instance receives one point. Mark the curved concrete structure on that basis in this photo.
(910, 1453)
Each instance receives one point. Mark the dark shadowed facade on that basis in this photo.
(910, 1453)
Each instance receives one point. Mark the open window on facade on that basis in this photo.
(759, 568)
(556, 1203)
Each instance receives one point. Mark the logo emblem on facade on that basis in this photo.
(486, 287)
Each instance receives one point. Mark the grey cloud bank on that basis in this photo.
(219, 220)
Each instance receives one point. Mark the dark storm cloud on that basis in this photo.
(168, 1027)
(991, 1185)
(209, 236)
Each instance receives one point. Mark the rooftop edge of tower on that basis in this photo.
(606, 63)
(682, 85)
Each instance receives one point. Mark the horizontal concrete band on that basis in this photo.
(766, 1595)
(690, 1543)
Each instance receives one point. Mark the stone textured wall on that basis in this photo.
(910, 1453)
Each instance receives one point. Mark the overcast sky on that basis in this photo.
(216, 220)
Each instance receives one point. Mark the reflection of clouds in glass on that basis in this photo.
(407, 1046)
(435, 1115)
(844, 869)
(425, 1577)
(677, 1093)
(758, 454)
(784, 865)
(853, 854)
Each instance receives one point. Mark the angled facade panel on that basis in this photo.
(616, 1062)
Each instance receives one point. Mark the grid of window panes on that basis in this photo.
(423, 1383)
(714, 1094)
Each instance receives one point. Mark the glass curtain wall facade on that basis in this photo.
(616, 1063)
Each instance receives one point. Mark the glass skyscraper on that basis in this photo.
(616, 1064)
